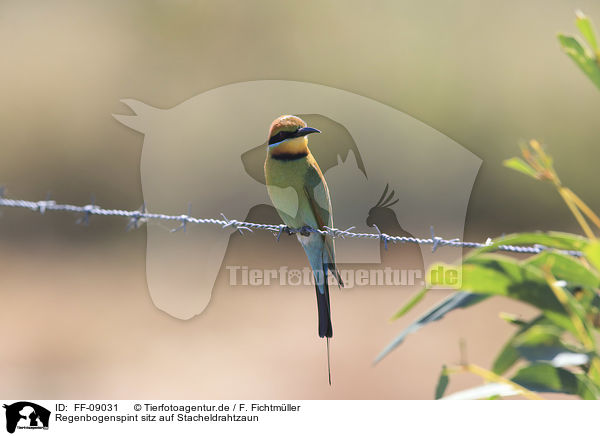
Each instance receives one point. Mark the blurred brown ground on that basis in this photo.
(79, 323)
(75, 313)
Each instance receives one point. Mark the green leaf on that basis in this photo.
(457, 300)
(587, 29)
(559, 240)
(542, 377)
(538, 341)
(509, 355)
(486, 391)
(411, 303)
(567, 268)
(558, 356)
(585, 60)
(581, 281)
(592, 253)
(541, 342)
(512, 319)
(540, 333)
(494, 274)
(518, 164)
(577, 313)
(442, 383)
(484, 275)
(506, 359)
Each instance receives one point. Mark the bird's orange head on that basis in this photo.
(286, 128)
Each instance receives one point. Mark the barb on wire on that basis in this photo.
(137, 218)
(85, 219)
(237, 224)
(184, 220)
(141, 216)
(384, 237)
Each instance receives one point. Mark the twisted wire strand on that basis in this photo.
(136, 217)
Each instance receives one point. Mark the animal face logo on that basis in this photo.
(24, 414)
(210, 150)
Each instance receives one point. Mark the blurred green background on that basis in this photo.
(487, 74)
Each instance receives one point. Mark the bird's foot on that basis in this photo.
(285, 229)
(305, 230)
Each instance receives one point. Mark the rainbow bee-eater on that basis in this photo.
(299, 192)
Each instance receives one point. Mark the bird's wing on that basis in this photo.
(317, 194)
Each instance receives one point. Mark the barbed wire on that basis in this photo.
(138, 217)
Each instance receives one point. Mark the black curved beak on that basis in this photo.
(306, 131)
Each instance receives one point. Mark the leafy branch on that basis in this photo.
(557, 348)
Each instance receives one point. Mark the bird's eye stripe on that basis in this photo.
(281, 136)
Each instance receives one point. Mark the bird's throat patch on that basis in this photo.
(290, 149)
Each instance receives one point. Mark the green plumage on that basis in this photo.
(300, 195)
(300, 175)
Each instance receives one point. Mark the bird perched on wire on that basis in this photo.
(299, 192)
